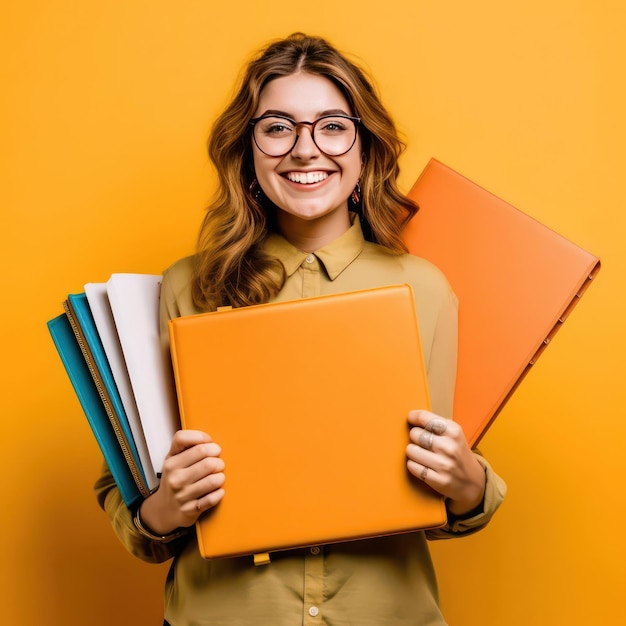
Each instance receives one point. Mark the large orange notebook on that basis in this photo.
(516, 280)
(308, 400)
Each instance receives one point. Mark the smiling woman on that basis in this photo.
(306, 156)
(242, 211)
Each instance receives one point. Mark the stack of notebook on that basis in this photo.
(517, 281)
(108, 340)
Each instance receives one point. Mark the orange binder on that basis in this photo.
(302, 396)
(516, 280)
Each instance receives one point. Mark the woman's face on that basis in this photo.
(306, 185)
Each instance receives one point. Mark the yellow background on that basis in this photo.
(105, 107)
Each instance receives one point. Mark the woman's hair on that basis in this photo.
(231, 267)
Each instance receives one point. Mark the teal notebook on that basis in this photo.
(81, 351)
(84, 326)
(87, 393)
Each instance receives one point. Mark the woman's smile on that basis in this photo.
(306, 178)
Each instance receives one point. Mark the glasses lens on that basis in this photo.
(334, 135)
(275, 136)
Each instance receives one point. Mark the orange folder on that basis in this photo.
(516, 280)
(308, 400)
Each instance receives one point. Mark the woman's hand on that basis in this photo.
(191, 483)
(439, 455)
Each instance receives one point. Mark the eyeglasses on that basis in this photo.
(276, 135)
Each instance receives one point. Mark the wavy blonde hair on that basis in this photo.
(231, 267)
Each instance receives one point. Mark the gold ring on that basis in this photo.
(424, 473)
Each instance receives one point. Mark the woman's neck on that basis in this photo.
(311, 235)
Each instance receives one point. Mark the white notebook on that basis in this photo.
(98, 300)
(134, 300)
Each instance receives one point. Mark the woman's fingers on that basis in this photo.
(184, 439)
(438, 455)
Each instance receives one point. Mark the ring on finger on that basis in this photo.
(437, 426)
(424, 473)
(426, 439)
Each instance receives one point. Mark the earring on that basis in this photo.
(355, 196)
(255, 190)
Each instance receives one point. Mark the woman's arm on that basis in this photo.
(192, 476)
(141, 545)
(438, 452)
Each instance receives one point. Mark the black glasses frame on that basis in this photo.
(311, 125)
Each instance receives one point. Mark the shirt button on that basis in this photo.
(315, 550)
(314, 611)
(310, 258)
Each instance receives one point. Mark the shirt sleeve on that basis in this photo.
(121, 517)
(443, 352)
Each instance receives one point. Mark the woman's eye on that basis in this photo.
(277, 128)
(333, 126)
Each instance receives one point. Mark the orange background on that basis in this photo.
(105, 108)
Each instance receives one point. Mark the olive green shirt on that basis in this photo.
(388, 580)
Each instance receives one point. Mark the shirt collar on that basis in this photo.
(334, 256)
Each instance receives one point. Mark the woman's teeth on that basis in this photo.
(307, 178)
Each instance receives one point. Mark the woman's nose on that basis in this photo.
(305, 147)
